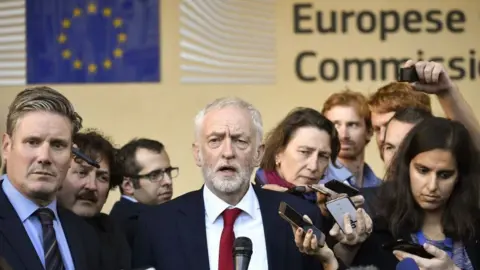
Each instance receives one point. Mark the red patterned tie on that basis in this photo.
(225, 259)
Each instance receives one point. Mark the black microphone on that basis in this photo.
(242, 252)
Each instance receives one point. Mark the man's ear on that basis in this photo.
(6, 145)
(259, 154)
(196, 154)
(127, 186)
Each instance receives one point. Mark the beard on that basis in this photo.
(227, 184)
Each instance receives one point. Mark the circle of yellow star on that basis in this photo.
(118, 53)
(107, 64)
(92, 8)
(62, 38)
(107, 12)
(92, 68)
(117, 22)
(66, 54)
(77, 64)
(122, 37)
(66, 23)
(77, 12)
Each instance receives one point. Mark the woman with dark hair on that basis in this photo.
(430, 197)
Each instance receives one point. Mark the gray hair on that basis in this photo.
(232, 102)
(41, 98)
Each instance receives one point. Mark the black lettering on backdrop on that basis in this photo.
(366, 22)
(386, 22)
(385, 28)
(298, 66)
(325, 66)
(453, 17)
(412, 21)
(330, 69)
(298, 18)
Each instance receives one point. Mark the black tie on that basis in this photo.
(53, 259)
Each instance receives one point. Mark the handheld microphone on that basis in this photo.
(407, 264)
(242, 252)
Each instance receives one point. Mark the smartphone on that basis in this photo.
(340, 187)
(297, 190)
(322, 189)
(296, 220)
(407, 246)
(408, 75)
(339, 207)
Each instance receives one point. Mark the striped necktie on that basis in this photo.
(53, 258)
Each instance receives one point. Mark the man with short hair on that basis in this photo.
(397, 129)
(349, 111)
(197, 230)
(85, 190)
(36, 233)
(147, 180)
(389, 99)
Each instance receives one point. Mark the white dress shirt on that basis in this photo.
(248, 224)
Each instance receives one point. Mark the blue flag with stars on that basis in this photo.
(92, 41)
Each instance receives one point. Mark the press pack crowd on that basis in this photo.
(314, 202)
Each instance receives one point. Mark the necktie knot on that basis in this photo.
(230, 215)
(45, 215)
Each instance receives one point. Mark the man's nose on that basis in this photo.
(227, 150)
(91, 182)
(44, 154)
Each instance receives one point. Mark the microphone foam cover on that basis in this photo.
(243, 246)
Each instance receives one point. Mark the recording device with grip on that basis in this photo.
(407, 264)
(409, 247)
(295, 219)
(408, 75)
(242, 253)
(76, 152)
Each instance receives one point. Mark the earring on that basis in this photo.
(277, 163)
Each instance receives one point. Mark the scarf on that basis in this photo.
(263, 177)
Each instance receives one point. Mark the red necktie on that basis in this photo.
(225, 259)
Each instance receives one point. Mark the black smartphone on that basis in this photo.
(296, 220)
(297, 190)
(408, 75)
(340, 187)
(407, 246)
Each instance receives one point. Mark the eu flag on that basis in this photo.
(92, 41)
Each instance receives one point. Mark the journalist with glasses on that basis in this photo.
(147, 180)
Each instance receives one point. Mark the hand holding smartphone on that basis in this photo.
(409, 247)
(296, 220)
(339, 207)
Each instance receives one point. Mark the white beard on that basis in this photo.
(226, 184)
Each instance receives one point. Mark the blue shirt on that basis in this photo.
(25, 209)
(344, 175)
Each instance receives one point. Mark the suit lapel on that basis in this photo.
(275, 235)
(192, 231)
(15, 234)
(74, 239)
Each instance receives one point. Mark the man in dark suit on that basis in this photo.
(35, 233)
(148, 177)
(197, 230)
(85, 190)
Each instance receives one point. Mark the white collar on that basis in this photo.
(215, 206)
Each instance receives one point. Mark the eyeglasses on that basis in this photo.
(159, 175)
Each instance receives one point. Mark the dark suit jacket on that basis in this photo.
(18, 251)
(173, 235)
(370, 195)
(125, 213)
(115, 250)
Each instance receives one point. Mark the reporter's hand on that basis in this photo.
(307, 243)
(353, 236)
(433, 78)
(441, 260)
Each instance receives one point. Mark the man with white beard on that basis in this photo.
(197, 230)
